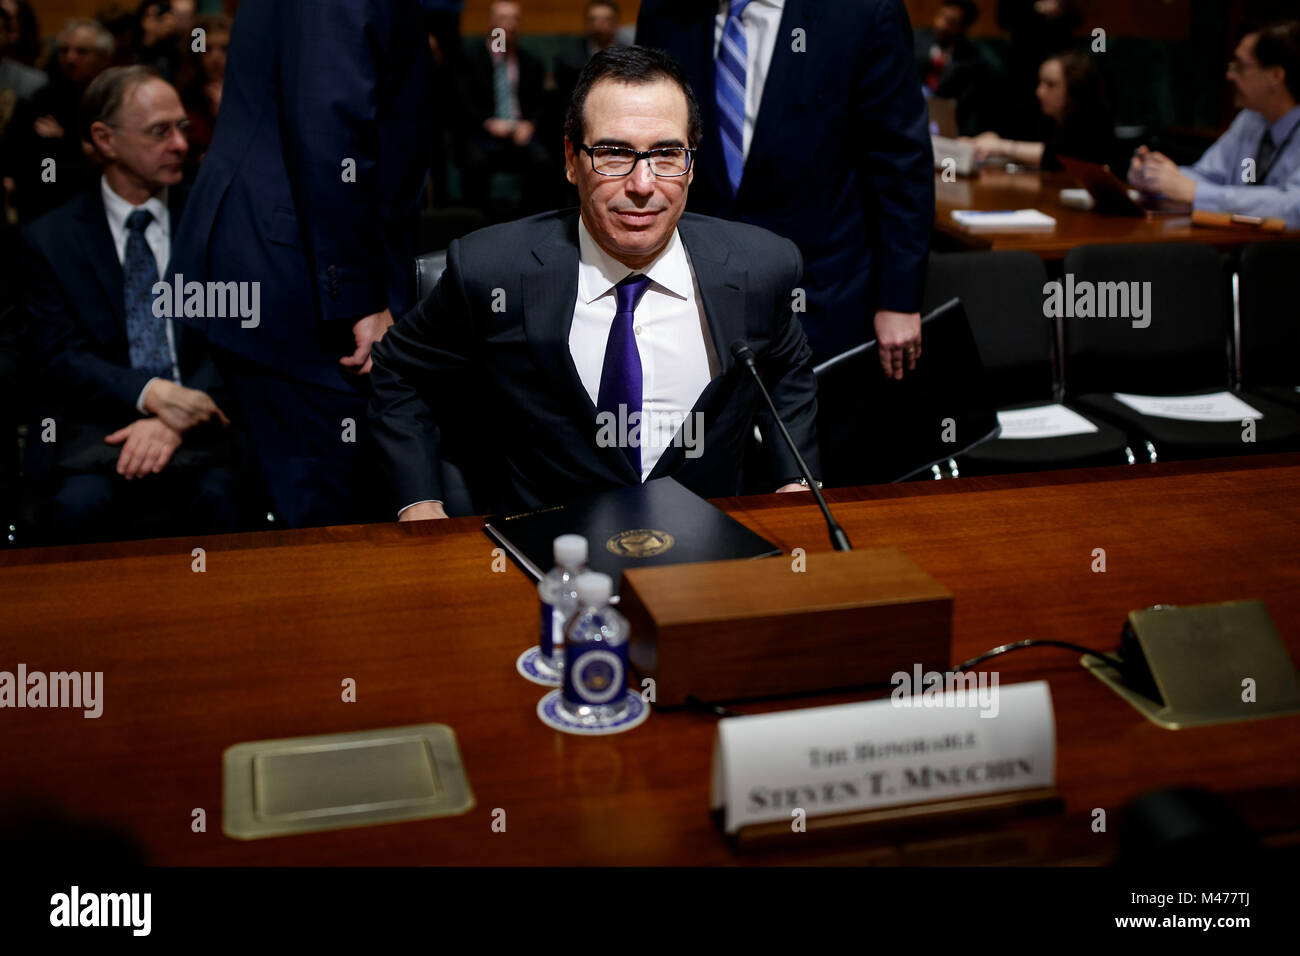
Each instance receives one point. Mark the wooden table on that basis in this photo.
(995, 189)
(257, 647)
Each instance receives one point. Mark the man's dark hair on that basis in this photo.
(106, 92)
(612, 4)
(629, 64)
(970, 12)
(1279, 45)
(164, 7)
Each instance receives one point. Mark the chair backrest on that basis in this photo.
(1002, 293)
(1144, 318)
(428, 270)
(875, 430)
(468, 486)
(1270, 314)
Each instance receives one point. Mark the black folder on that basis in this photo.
(657, 522)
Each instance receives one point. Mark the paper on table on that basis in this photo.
(1043, 421)
(1012, 220)
(883, 753)
(1215, 407)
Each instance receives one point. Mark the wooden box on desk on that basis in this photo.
(726, 630)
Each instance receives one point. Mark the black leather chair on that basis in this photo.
(466, 465)
(906, 428)
(1003, 296)
(1183, 351)
(1268, 324)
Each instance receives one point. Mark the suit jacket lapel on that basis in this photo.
(98, 249)
(722, 285)
(550, 294)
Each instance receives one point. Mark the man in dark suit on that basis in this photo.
(130, 435)
(310, 191)
(598, 341)
(838, 158)
(503, 98)
(950, 65)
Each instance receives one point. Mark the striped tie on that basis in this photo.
(733, 52)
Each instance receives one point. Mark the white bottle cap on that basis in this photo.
(594, 589)
(570, 550)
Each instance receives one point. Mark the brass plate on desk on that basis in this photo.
(333, 781)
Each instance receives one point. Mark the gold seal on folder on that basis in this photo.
(640, 543)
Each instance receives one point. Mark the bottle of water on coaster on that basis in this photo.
(559, 594)
(595, 655)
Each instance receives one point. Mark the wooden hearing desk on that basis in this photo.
(257, 646)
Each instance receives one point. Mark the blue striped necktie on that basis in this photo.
(146, 333)
(730, 82)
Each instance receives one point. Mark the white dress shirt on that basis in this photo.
(159, 237)
(678, 358)
(762, 22)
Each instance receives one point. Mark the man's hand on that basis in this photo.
(181, 408)
(423, 511)
(1157, 173)
(793, 486)
(47, 127)
(147, 446)
(500, 128)
(898, 335)
(523, 133)
(366, 332)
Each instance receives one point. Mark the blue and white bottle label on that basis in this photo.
(596, 674)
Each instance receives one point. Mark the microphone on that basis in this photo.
(742, 353)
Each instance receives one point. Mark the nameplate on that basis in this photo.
(900, 750)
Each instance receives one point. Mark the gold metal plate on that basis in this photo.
(1201, 657)
(332, 781)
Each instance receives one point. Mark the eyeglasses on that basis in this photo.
(619, 161)
(1238, 66)
(160, 132)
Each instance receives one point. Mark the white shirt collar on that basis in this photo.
(598, 271)
(118, 208)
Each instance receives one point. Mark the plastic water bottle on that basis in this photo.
(595, 654)
(559, 594)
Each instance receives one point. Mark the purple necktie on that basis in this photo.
(620, 376)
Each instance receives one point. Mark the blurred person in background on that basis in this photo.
(159, 38)
(950, 65)
(1254, 168)
(44, 154)
(1075, 118)
(201, 93)
(1039, 29)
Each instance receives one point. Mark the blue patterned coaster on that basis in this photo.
(548, 709)
(533, 666)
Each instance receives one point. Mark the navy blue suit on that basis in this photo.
(311, 188)
(840, 160)
(75, 311)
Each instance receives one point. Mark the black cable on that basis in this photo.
(1036, 642)
(717, 710)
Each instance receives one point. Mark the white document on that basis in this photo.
(1216, 407)
(826, 760)
(1044, 421)
(1006, 220)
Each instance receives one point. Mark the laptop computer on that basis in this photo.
(1114, 196)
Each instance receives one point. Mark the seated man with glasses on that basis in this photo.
(1254, 168)
(130, 440)
(593, 346)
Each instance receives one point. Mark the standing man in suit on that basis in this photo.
(504, 101)
(310, 191)
(815, 128)
(600, 340)
(130, 437)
